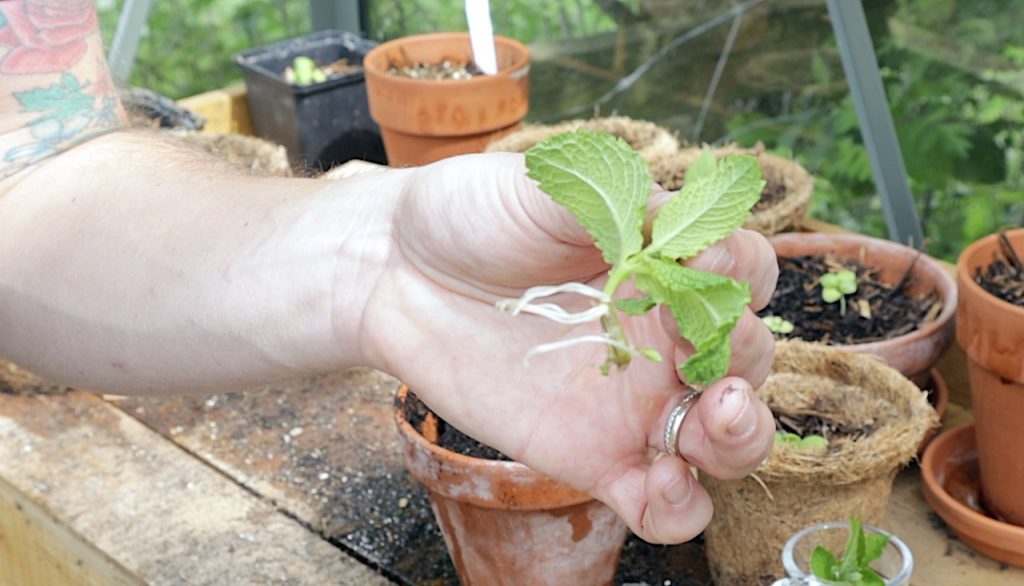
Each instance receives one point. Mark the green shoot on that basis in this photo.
(306, 72)
(835, 286)
(853, 568)
(605, 184)
(778, 325)
(814, 444)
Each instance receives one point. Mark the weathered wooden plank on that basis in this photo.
(38, 550)
(152, 508)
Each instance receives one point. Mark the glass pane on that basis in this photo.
(952, 70)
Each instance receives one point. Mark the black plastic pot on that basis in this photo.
(321, 124)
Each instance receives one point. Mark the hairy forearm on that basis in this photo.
(132, 266)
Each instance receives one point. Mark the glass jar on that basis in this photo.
(895, 566)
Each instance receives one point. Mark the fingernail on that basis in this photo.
(736, 402)
(678, 491)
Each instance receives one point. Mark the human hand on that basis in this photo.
(474, 229)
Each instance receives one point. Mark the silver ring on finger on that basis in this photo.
(675, 421)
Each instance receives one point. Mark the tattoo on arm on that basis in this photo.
(55, 88)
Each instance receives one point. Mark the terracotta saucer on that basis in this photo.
(938, 397)
(952, 488)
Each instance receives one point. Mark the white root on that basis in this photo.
(604, 339)
(514, 306)
(557, 314)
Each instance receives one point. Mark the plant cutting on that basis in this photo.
(784, 198)
(854, 567)
(872, 420)
(990, 328)
(425, 118)
(864, 294)
(870, 557)
(605, 184)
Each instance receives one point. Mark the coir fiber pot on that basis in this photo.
(913, 353)
(506, 524)
(780, 215)
(795, 489)
(424, 120)
(991, 332)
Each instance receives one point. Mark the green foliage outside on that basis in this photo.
(954, 75)
(187, 45)
(525, 20)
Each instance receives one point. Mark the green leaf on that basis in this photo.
(651, 354)
(635, 305)
(814, 443)
(830, 295)
(874, 545)
(823, 563)
(707, 209)
(705, 165)
(785, 437)
(870, 578)
(602, 181)
(706, 306)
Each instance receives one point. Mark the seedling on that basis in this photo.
(306, 72)
(810, 444)
(778, 325)
(853, 568)
(605, 184)
(835, 286)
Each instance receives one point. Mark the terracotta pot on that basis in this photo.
(422, 121)
(991, 332)
(504, 523)
(949, 469)
(912, 354)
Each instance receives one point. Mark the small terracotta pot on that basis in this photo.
(912, 354)
(949, 469)
(503, 523)
(991, 332)
(423, 120)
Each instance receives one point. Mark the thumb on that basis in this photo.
(661, 502)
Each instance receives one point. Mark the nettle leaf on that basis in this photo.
(705, 165)
(706, 306)
(635, 305)
(602, 181)
(708, 209)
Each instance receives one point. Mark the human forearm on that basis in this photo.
(131, 266)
